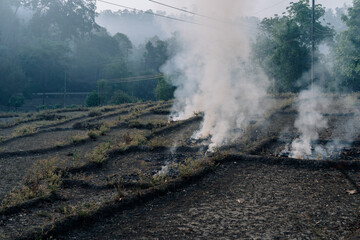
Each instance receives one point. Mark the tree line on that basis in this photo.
(48, 45)
(283, 48)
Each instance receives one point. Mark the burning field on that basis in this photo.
(127, 172)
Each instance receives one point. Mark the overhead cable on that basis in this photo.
(147, 12)
(180, 9)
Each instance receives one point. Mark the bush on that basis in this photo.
(163, 90)
(92, 100)
(16, 101)
(120, 97)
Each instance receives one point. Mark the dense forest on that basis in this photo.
(56, 46)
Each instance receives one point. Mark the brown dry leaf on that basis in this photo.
(351, 192)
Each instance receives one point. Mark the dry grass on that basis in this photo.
(134, 138)
(95, 113)
(157, 142)
(77, 139)
(95, 133)
(82, 210)
(152, 180)
(100, 153)
(41, 179)
(120, 190)
(24, 130)
(189, 167)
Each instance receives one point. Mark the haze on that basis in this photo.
(263, 8)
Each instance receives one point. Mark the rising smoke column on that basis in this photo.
(315, 108)
(213, 73)
(310, 121)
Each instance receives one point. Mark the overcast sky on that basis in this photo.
(262, 8)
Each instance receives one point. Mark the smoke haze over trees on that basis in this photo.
(44, 43)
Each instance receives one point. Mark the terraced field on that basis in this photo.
(126, 172)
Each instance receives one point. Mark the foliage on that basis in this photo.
(16, 101)
(121, 97)
(92, 100)
(41, 179)
(155, 55)
(58, 42)
(189, 167)
(77, 138)
(284, 44)
(125, 45)
(163, 90)
(24, 130)
(348, 50)
(100, 153)
(12, 78)
(62, 19)
(44, 64)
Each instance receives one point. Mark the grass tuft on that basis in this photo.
(100, 153)
(24, 130)
(41, 179)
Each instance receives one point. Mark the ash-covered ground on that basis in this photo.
(128, 173)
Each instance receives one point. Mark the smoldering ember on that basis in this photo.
(179, 119)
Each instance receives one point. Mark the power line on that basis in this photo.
(180, 9)
(136, 79)
(223, 21)
(151, 13)
(267, 8)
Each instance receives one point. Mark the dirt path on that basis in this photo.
(243, 200)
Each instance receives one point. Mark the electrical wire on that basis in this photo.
(180, 9)
(223, 21)
(267, 8)
(151, 13)
(136, 79)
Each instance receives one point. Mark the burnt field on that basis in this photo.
(126, 172)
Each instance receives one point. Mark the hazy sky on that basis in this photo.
(262, 8)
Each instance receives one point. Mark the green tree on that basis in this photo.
(45, 65)
(16, 101)
(163, 90)
(348, 50)
(62, 19)
(125, 45)
(120, 97)
(95, 57)
(155, 55)
(12, 79)
(283, 47)
(92, 100)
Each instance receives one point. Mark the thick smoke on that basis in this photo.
(213, 75)
(316, 109)
(309, 122)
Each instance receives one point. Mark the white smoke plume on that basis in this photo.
(315, 110)
(213, 73)
(309, 122)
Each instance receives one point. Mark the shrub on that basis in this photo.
(95, 113)
(100, 153)
(120, 97)
(24, 130)
(77, 138)
(189, 167)
(163, 90)
(92, 100)
(93, 134)
(43, 178)
(16, 101)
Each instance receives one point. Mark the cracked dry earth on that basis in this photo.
(243, 200)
